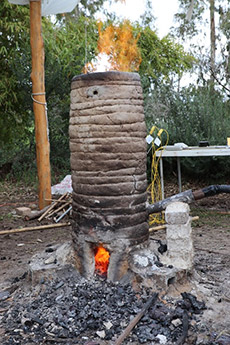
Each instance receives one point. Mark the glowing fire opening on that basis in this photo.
(101, 260)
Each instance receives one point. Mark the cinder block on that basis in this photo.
(177, 213)
(181, 245)
(179, 231)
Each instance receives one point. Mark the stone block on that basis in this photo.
(177, 213)
(23, 211)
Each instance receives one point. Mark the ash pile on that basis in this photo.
(73, 310)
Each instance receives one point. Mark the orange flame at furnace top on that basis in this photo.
(101, 260)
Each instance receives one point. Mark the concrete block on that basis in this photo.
(179, 231)
(180, 245)
(177, 213)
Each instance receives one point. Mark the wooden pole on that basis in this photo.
(39, 104)
(34, 228)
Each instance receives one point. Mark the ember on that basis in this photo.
(101, 261)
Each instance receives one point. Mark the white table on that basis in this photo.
(190, 151)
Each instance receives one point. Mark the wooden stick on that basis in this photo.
(52, 206)
(161, 227)
(134, 321)
(54, 200)
(58, 209)
(40, 227)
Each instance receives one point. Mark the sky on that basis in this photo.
(133, 9)
(163, 10)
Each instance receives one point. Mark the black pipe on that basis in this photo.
(216, 189)
(188, 197)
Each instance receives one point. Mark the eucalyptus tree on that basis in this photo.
(204, 24)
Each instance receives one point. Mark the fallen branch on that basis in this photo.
(37, 214)
(40, 227)
(161, 227)
(137, 318)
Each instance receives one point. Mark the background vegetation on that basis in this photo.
(198, 111)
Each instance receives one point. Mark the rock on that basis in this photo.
(176, 322)
(162, 338)
(108, 325)
(50, 260)
(101, 334)
(23, 211)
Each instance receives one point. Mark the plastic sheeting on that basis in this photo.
(63, 187)
(51, 6)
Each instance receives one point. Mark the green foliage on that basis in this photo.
(187, 28)
(189, 116)
(65, 47)
(161, 58)
(15, 115)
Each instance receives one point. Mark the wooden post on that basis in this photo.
(39, 104)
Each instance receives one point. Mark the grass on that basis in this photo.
(210, 218)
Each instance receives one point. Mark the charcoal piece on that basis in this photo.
(60, 284)
(4, 295)
(191, 302)
(223, 340)
(185, 326)
(92, 324)
(49, 250)
(158, 264)
(163, 247)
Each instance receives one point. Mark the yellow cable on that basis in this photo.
(154, 188)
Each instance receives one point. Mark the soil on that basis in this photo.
(211, 235)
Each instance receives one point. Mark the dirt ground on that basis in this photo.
(211, 235)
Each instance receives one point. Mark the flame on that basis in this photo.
(101, 260)
(119, 44)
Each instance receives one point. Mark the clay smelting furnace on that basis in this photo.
(108, 162)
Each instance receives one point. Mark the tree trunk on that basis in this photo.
(39, 104)
(212, 37)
